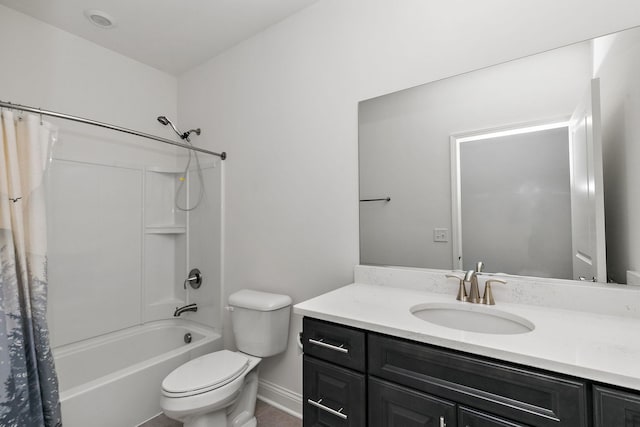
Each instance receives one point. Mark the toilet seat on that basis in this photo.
(205, 373)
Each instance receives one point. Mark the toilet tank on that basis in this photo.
(260, 322)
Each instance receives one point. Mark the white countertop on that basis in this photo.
(599, 347)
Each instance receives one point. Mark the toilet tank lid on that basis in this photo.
(256, 300)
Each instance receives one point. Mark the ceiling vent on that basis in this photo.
(100, 18)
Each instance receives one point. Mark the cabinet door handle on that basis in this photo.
(319, 404)
(321, 343)
(442, 423)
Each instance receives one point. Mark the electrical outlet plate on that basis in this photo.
(440, 234)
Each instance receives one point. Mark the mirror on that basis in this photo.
(432, 196)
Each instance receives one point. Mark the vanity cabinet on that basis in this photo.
(354, 377)
(615, 408)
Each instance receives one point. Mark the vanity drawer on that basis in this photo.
(615, 408)
(332, 396)
(533, 398)
(391, 405)
(471, 418)
(338, 344)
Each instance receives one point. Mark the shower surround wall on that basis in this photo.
(119, 248)
(102, 175)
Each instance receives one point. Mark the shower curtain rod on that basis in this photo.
(9, 105)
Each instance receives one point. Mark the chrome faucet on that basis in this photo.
(472, 277)
(184, 308)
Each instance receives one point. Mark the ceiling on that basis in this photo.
(170, 35)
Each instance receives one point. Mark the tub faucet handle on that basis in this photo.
(194, 280)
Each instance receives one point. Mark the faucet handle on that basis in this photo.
(487, 298)
(479, 266)
(462, 290)
(194, 279)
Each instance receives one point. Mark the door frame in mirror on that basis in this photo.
(456, 194)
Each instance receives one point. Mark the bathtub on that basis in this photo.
(114, 380)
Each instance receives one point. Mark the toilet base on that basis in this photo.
(212, 419)
(251, 423)
(220, 419)
(242, 412)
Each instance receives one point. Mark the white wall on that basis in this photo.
(404, 146)
(284, 105)
(618, 70)
(52, 69)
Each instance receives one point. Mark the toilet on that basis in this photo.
(219, 389)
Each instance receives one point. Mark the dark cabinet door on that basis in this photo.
(392, 405)
(613, 408)
(514, 392)
(333, 396)
(337, 344)
(471, 418)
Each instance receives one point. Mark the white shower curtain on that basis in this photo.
(28, 382)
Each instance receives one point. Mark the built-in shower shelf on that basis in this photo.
(161, 169)
(165, 229)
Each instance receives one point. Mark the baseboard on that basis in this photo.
(281, 398)
(149, 420)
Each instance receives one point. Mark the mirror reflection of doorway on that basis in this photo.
(587, 189)
(529, 200)
(515, 201)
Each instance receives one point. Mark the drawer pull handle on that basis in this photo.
(321, 343)
(319, 404)
(442, 423)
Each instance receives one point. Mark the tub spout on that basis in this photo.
(180, 310)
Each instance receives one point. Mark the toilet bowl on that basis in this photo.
(209, 384)
(219, 389)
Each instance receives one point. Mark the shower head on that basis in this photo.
(185, 135)
(165, 121)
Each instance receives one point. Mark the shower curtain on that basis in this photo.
(28, 382)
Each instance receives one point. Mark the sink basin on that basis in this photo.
(472, 318)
